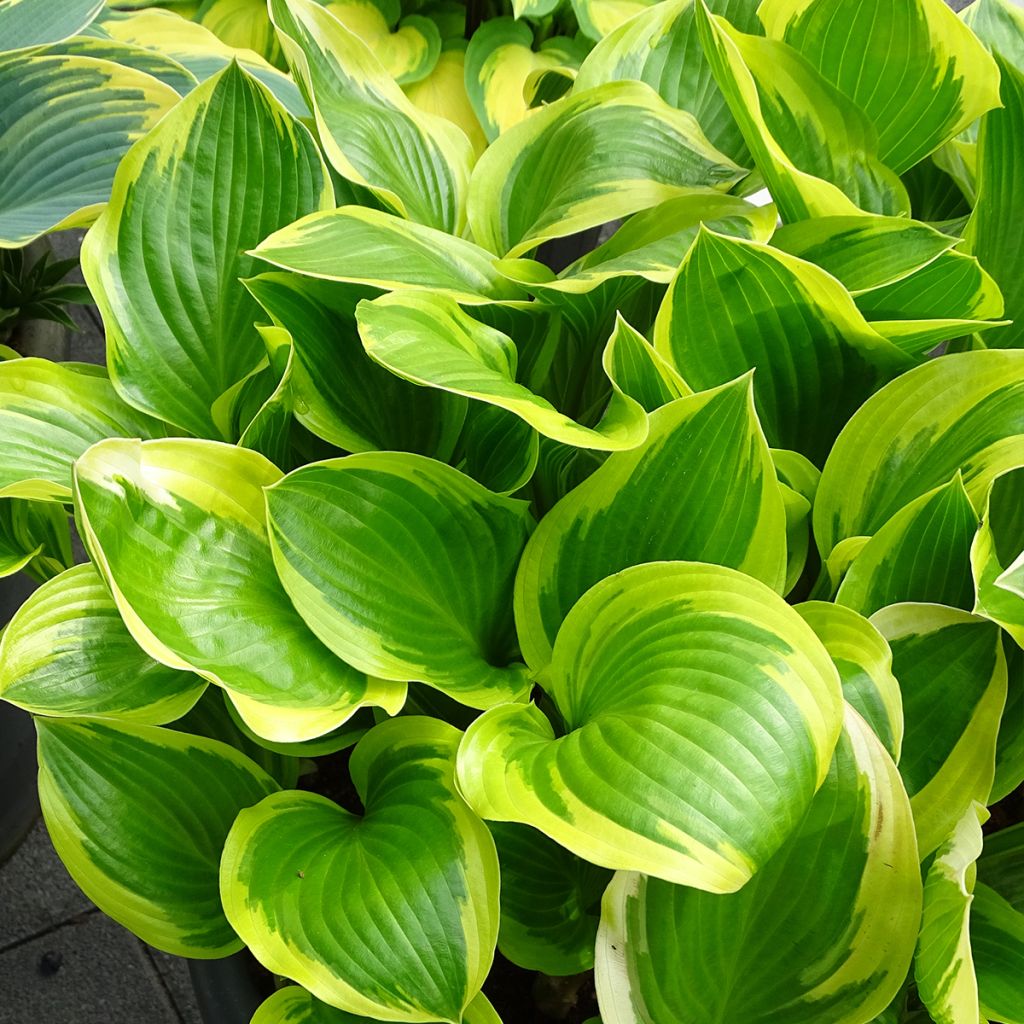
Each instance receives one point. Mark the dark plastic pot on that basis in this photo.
(19, 800)
(230, 991)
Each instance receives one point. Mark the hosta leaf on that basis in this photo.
(196, 48)
(159, 65)
(242, 24)
(415, 162)
(499, 61)
(165, 259)
(342, 395)
(599, 17)
(990, 234)
(997, 940)
(443, 93)
(34, 536)
(943, 967)
(261, 406)
(633, 363)
(653, 243)
(66, 652)
(587, 159)
(999, 864)
(497, 448)
(177, 531)
(735, 305)
(997, 556)
(673, 677)
(139, 815)
(912, 66)
(294, 1005)
(999, 24)
(370, 247)
(777, 951)
(864, 252)
(429, 339)
(817, 151)
(952, 676)
(899, 562)
(71, 120)
(864, 661)
(674, 497)
(408, 53)
(412, 941)
(30, 23)
(403, 566)
(550, 902)
(961, 412)
(50, 413)
(661, 46)
(1010, 748)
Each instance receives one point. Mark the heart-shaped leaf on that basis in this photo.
(139, 815)
(777, 950)
(66, 652)
(413, 937)
(672, 676)
(674, 497)
(177, 530)
(952, 677)
(403, 566)
(195, 195)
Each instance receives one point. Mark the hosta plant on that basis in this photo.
(656, 612)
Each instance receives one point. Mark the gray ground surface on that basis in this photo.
(62, 961)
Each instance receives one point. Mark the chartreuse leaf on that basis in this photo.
(961, 412)
(415, 162)
(429, 339)
(370, 247)
(159, 65)
(443, 93)
(139, 816)
(241, 24)
(816, 357)
(342, 395)
(408, 53)
(1010, 748)
(899, 562)
(34, 536)
(164, 267)
(550, 902)
(817, 151)
(66, 652)
(196, 48)
(403, 566)
(177, 530)
(30, 23)
(50, 413)
(294, 1005)
(990, 234)
(71, 120)
(864, 661)
(777, 950)
(414, 937)
(661, 46)
(674, 497)
(997, 556)
(952, 677)
(798, 482)
(633, 363)
(673, 677)
(943, 968)
(997, 941)
(652, 243)
(499, 62)
(587, 159)
(599, 17)
(912, 66)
